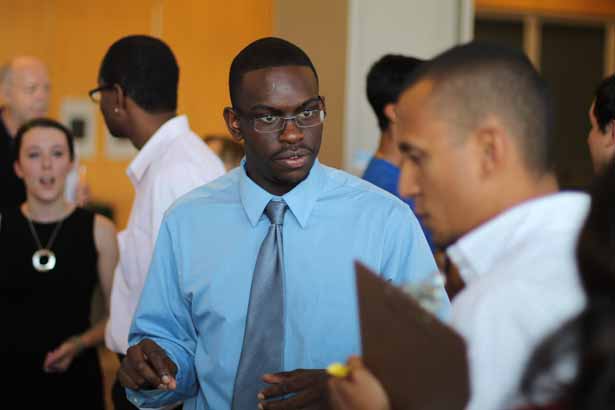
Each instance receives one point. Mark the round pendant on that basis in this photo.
(44, 260)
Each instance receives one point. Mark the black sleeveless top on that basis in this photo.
(43, 309)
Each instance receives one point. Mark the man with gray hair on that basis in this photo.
(24, 87)
(25, 91)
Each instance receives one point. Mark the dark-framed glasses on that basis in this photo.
(96, 93)
(275, 123)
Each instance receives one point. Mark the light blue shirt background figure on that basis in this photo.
(195, 299)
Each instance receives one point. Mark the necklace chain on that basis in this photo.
(51, 238)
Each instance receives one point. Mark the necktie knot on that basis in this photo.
(275, 212)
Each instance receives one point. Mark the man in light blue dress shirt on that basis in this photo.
(188, 329)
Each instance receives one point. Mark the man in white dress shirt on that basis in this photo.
(474, 128)
(137, 93)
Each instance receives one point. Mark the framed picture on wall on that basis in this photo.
(79, 115)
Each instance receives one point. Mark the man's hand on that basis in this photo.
(359, 391)
(147, 366)
(307, 386)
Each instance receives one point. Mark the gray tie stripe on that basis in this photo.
(263, 341)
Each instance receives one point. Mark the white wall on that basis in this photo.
(421, 28)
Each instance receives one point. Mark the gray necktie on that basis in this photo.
(263, 340)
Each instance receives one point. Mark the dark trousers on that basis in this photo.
(118, 395)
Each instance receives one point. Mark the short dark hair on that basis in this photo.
(604, 104)
(43, 123)
(386, 80)
(146, 69)
(474, 80)
(265, 53)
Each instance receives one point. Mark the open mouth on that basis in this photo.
(47, 181)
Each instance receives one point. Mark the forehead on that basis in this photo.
(279, 87)
(44, 135)
(422, 124)
(413, 105)
(31, 72)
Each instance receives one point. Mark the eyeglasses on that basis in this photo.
(275, 123)
(96, 95)
(312, 113)
(269, 123)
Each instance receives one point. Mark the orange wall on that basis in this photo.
(71, 36)
(587, 8)
(206, 35)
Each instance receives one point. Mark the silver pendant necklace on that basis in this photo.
(44, 260)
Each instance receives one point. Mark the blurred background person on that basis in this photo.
(137, 95)
(24, 87)
(54, 254)
(25, 91)
(385, 82)
(601, 138)
(229, 151)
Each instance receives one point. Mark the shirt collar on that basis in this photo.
(300, 200)
(479, 251)
(156, 146)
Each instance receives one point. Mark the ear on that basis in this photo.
(324, 106)
(119, 100)
(610, 131)
(18, 170)
(232, 123)
(389, 112)
(491, 145)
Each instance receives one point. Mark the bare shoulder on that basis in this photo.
(104, 231)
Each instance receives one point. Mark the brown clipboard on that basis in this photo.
(420, 361)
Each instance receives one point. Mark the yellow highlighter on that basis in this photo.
(338, 370)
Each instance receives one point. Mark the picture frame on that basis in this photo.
(79, 116)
